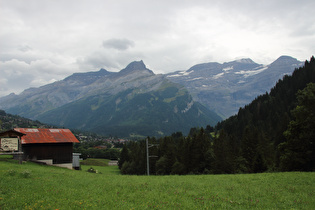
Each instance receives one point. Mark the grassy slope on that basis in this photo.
(56, 188)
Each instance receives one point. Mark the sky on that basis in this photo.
(43, 41)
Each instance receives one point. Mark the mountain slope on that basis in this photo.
(34, 101)
(128, 113)
(134, 100)
(225, 87)
(8, 122)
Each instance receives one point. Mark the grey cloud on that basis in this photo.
(25, 48)
(118, 44)
(17, 75)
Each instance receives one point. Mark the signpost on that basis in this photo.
(10, 144)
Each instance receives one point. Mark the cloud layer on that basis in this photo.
(45, 41)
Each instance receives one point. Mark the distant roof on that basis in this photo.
(46, 135)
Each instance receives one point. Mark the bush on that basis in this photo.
(128, 168)
(178, 168)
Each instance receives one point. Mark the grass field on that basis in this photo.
(95, 162)
(32, 186)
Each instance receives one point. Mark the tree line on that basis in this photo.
(275, 132)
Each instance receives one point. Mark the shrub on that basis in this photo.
(178, 168)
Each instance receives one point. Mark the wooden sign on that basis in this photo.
(9, 144)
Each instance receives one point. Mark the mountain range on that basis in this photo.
(137, 102)
(224, 88)
(132, 102)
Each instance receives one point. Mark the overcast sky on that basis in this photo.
(42, 41)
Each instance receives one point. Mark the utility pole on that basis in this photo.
(148, 156)
(148, 165)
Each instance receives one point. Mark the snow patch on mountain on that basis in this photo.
(197, 78)
(181, 73)
(228, 68)
(189, 105)
(218, 75)
(253, 72)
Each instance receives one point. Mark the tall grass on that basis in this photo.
(47, 187)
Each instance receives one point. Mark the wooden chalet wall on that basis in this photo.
(59, 152)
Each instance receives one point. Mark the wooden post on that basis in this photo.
(20, 150)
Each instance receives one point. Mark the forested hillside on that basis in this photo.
(9, 121)
(273, 133)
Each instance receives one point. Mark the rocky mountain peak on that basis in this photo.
(135, 66)
(285, 60)
(245, 61)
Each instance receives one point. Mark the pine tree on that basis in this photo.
(298, 152)
(220, 162)
(124, 156)
(248, 147)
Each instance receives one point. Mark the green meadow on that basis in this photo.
(32, 186)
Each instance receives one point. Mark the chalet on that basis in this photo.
(49, 146)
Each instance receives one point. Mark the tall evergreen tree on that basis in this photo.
(124, 156)
(298, 152)
(220, 163)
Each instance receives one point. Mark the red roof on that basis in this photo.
(46, 135)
